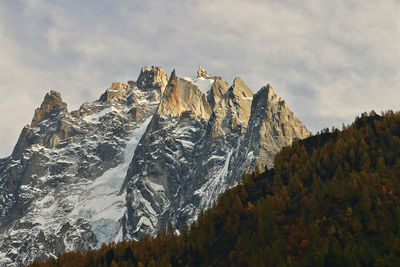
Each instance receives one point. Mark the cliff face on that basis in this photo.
(148, 153)
(202, 137)
(60, 189)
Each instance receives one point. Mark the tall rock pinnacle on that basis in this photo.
(201, 72)
(218, 90)
(233, 111)
(182, 96)
(271, 126)
(151, 77)
(52, 103)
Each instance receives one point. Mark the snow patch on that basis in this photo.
(94, 118)
(101, 202)
(207, 191)
(203, 84)
(154, 186)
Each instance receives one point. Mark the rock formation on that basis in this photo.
(201, 72)
(193, 150)
(145, 154)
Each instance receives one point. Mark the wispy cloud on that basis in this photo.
(329, 60)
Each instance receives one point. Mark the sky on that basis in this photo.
(330, 60)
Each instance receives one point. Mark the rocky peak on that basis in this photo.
(116, 86)
(271, 95)
(51, 106)
(151, 77)
(232, 113)
(52, 103)
(240, 90)
(170, 102)
(117, 90)
(183, 96)
(264, 97)
(218, 90)
(201, 72)
(153, 158)
(173, 79)
(275, 125)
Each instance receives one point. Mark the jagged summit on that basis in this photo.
(146, 154)
(271, 126)
(180, 96)
(172, 79)
(117, 90)
(52, 103)
(202, 73)
(233, 110)
(51, 109)
(264, 97)
(218, 89)
(151, 77)
(240, 89)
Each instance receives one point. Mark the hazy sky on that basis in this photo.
(331, 60)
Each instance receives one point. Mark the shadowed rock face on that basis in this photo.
(271, 126)
(195, 148)
(146, 154)
(60, 190)
(51, 109)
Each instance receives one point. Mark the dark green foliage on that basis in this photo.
(332, 200)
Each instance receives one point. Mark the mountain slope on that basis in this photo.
(193, 149)
(60, 189)
(146, 154)
(331, 200)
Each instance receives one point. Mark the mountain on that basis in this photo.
(331, 200)
(145, 154)
(197, 145)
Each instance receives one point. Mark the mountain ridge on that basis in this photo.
(157, 150)
(330, 200)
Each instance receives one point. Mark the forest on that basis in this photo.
(332, 199)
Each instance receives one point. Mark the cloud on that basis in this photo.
(330, 61)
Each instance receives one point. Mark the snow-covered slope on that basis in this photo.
(68, 169)
(146, 154)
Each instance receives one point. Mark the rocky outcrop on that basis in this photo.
(233, 111)
(52, 109)
(152, 77)
(182, 96)
(271, 126)
(201, 72)
(51, 106)
(116, 91)
(218, 89)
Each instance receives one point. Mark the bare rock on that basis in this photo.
(51, 104)
(218, 90)
(152, 77)
(116, 91)
(232, 113)
(182, 96)
(201, 72)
